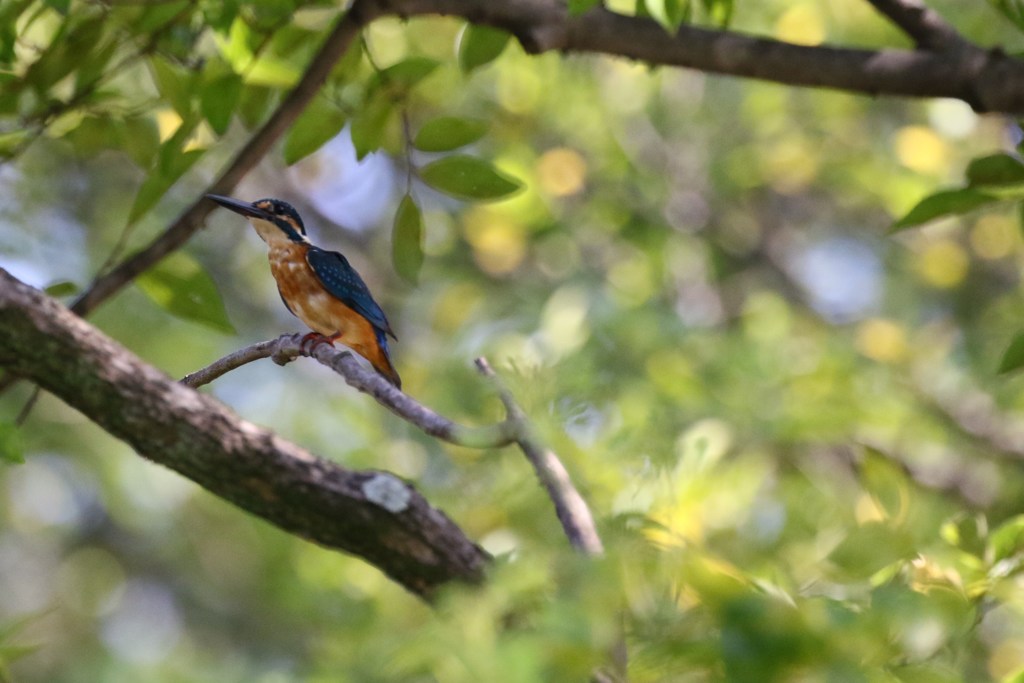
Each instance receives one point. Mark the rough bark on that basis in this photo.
(371, 514)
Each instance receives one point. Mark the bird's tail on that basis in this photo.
(380, 359)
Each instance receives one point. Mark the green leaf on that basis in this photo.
(945, 203)
(997, 169)
(1007, 540)
(62, 6)
(886, 481)
(407, 239)
(140, 138)
(319, 123)
(254, 104)
(92, 135)
(158, 183)
(77, 36)
(669, 13)
(181, 286)
(8, 39)
(235, 44)
(174, 83)
(156, 15)
(577, 7)
(218, 101)
(92, 65)
(272, 72)
(719, 11)
(446, 133)
(370, 124)
(1013, 358)
(479, 45)
(468, 177)
(402, 76)
(61, 288)
(11, 448)
(870, 548)
(11, 142)
(1012, 10)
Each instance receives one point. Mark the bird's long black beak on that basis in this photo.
(240, 207)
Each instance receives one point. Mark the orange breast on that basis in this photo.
(304, 294)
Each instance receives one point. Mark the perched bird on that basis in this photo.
(318, 286)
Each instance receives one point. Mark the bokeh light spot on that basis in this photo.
(801, 24)
(564, 320)
(561, 171)
(994, 236)
(146, 626)
(498, 242)
(519, 88)
(790, 165)
(882, 340)
(921, 149)
(943, 264)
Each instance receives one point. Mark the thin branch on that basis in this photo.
(572, 510)
(232, 361)
(570, 507)
(371, 514)
(924, 25)
(288, 347)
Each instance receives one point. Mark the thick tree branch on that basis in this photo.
(570, 507)
(371, 514)
(987, 80)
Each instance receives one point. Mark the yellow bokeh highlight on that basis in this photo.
(673, 374)
(519, 88)
(632, 282)
(868, 510)
(561, 171)
(455, 306)
(801, 24)
(882, 340)
(1006, 660)
(921, 149)
(790, 165)
(499, 243)
(564, 321)
(994, 236)
(677, 525)
(389, 39)
(943, 264)
(167, 123)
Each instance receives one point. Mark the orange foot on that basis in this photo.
(314, 339)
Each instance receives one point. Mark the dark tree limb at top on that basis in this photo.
(988, 80)
(371, 514)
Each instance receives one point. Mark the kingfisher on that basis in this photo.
(319, 287)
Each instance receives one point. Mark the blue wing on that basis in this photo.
(343, 282)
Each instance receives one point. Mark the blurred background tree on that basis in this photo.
(788, 421)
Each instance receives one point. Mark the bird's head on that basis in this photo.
(273, 219)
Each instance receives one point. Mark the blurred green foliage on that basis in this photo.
(788, 422)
